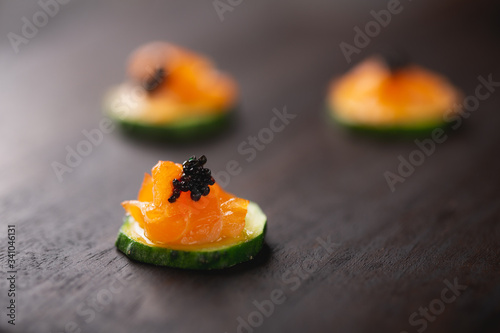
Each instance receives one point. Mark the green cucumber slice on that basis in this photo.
(419, 129)
(211, 256)
(185, 130)
(188, 129)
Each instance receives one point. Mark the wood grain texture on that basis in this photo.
(392, 250)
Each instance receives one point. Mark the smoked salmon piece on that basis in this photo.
(213, 217)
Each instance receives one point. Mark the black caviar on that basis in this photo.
(155, 80)
(396, 59)
(195, 178)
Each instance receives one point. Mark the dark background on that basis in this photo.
(393, 250)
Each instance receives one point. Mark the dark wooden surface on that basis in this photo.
(392, 251)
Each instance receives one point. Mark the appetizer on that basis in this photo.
(183, 218)
(172, 93)
(381, 97)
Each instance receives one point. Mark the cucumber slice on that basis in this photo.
(188, 129)
(185, 130)
(217, 255)
(419, 129)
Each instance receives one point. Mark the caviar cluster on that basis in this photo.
(155, 80)
(396, 60)
(195, 178)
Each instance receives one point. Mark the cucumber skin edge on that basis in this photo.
(177, 131)
(418, 131)
(198, 260)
